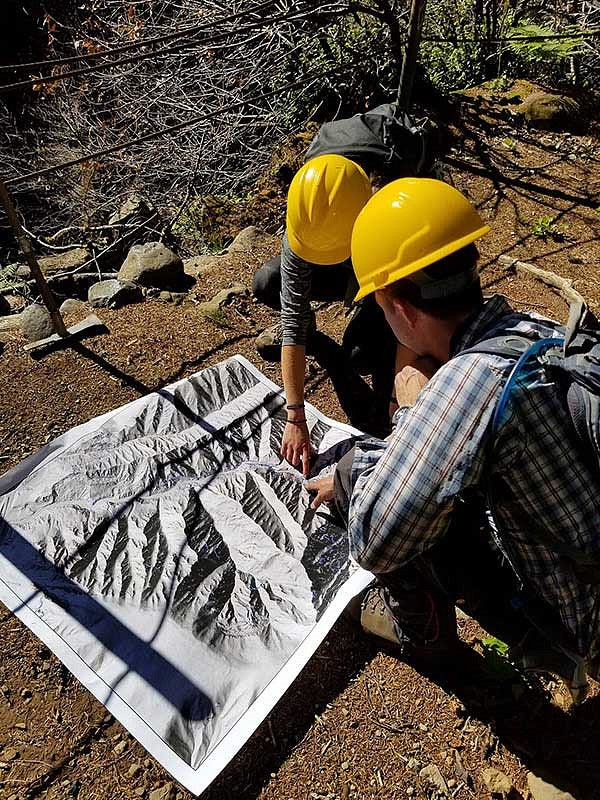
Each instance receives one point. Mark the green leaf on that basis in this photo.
(545, 49)
(497, 645)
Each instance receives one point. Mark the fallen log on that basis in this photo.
(563, 285)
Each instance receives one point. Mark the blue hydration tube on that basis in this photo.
(541, 346)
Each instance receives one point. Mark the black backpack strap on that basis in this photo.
(581, 321)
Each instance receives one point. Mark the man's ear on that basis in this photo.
(406, 311)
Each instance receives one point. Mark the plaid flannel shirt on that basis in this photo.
(404, 490)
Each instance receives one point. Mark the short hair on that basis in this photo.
(432, 289)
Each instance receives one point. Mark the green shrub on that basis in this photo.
(480, 46)
(548, 228)
(463, 58)
(545, 50)
(544, 59)
(359, 46)
(194, 223)
(8, 278)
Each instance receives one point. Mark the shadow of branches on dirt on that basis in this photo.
(561, 746)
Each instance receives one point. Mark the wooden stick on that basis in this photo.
(411, 54)
(27, 250)
(564, 285)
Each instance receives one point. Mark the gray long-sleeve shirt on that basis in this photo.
(296, 284)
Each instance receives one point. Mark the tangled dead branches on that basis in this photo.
(338, 50)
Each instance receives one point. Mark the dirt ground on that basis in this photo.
(357, 723)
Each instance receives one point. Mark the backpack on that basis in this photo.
(383, 139)
(572, 358)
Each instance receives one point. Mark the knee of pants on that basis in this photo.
(369, 330)
(342, 484)
(266, 284)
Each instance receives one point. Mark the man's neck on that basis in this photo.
(440, 334)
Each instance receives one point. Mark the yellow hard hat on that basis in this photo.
(323, 202)
(408, 225)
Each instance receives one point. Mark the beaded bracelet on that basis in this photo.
(295, 406)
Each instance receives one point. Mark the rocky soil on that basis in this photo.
(357, 723)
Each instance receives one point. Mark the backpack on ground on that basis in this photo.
(384, 139)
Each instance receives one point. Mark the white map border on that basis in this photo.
(195, 780)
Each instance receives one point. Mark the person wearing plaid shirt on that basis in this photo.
(416, 504)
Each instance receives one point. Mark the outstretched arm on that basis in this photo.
(295, 446)
(296, 279)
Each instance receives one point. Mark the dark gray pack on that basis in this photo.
(383, 140)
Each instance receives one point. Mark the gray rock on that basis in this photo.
(23, 272)
(165, 792)
(249, 238)
(114, 294)
(71, 305)
(542, 790)
(4, 306)
(77, 285)
(153, 264)
(213, 309)
(433, 775)
(11, 323)
(36, 323)
(172, 297)
(550, 111)
(50, 265)
(497, 782)
(460, 771)
(225, 295)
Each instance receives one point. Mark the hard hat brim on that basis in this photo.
(386, 278)
(317, 256)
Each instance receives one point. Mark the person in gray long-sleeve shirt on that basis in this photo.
(387, 144)
(289, 283)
